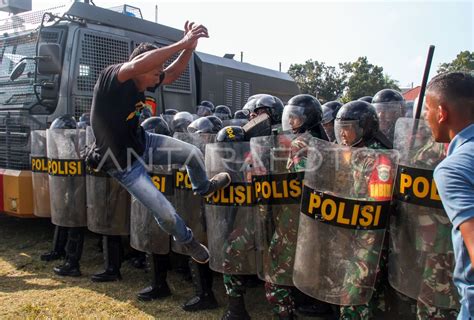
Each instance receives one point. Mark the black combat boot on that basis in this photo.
(202, 279)
(59, 244)
(113, 260)
(158, 288)
(74, 245)
(236, 309)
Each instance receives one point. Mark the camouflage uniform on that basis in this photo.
(431, 242)
(239, 242)
(367, 257)
(282, 246)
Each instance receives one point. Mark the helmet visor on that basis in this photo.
(293, 118)
(201, 125)
(388, 113)
(328, 115)
(203, 111)
(348, 133)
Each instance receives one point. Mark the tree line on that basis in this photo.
(352, 80)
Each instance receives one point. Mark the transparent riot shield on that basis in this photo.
(230, 212)
(39, 174)
(108, 203)
(421, 253)
(188, 205)
(67, 183)
(278, 168)
(145, 233)
(345, 206)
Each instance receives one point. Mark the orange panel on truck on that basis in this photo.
(18, 193)
(1, 190)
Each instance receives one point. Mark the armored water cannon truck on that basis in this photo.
(49, 63)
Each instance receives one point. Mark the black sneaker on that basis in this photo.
(197, 251)
(219, 181)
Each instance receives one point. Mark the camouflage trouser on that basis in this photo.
(237, 247)
(282, 299)
(426, 312)
(234, 285)
(366, 311)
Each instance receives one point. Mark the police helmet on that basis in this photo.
(302, 113)
(223, 112)
(181, 121)
(241, 114)
(85, 117)
(170, 112)
(208, 124)
(156, 125)
(249, 106)
(389, 105)
(366, 99)
(330, 110)
(205, 108)
(272, 105)
(356, 122)
(66, 121)
(231, 134)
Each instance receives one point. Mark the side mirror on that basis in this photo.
(49, 59)
(18, 70)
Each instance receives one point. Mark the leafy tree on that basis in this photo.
(318, 79)
(364, 79)
(464, 62)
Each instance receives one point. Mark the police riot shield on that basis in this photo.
(421, 253)
(230, 214)
(278, 163)
(39, 174)
(345, 206)
(67, 183)
(188, 205)
(108, 203)
(145, 233)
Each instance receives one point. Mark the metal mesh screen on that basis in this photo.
(98, 52)
(15, 142)
(26, 21)
(81, 105)
(13, 49)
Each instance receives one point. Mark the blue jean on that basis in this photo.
(163, 150)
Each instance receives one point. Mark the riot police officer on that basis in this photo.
(181, 121)
(357, 125)
(147, 236)
(205, 108)
(330, 110)
(302, 117)
(390, 105)
(68, 213)
(223, 112)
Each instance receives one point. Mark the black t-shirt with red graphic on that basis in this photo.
(116, 108)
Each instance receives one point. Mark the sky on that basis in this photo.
(393, 34)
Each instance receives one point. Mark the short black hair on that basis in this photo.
(142, 48)
(455, 88)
